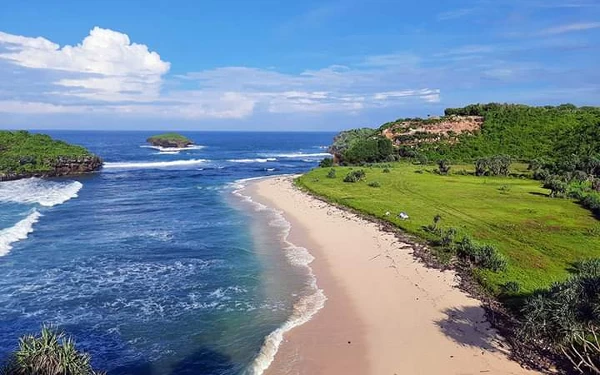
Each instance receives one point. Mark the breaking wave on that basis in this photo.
(258, 160)
(18, 232)
(35, 190)
(294, 155)
(306, 307)
(153, 164)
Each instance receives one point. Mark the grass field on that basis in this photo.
(540, 236)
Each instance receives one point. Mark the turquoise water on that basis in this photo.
(155, 265)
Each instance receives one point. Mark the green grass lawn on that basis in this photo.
(540, 236)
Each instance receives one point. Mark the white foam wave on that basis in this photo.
(18, 232)
(258, 160)
(35, 190)
(301, 155)
(306, 307)
(174, 149)
(153, 164)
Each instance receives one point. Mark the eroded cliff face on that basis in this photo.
(411, 132)
(61, 166)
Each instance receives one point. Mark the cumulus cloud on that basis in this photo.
(106, 62)
(107, 73)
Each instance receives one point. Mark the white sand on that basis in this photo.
(386, 312)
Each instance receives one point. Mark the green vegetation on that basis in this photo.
(24, 153)
(539, 238)
(355, 176)
(50, 353)
(522, 132)
(360, 146)
(170, 140)
(567, 317)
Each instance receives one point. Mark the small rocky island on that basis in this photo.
(170, 140)
(24, 154)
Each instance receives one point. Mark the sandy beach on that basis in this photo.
(386, 313)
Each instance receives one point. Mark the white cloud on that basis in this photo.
(107, 73)
(107, 63)
(562, 29)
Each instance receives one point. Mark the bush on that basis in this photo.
(495, 166)
(374, 184)
(484, 256)
(386, 170)
(557, 187)
(326, 163)
(511, 287)
(50, 353)
(443, 167)
(331, 173)
(566, 318)
(355, 176)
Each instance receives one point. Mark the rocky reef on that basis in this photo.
(170, 140)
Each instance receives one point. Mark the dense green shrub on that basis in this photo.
(443, 167)
(50, 353)
(368, 150)
(331, 173)
(566, 318)
(484, 256)
(386, 170)
(374, 184)
(355, 176)
(558, 188)
(326, 163)
(510, 287)
(498, 165)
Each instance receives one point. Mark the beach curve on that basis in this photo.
(386, 312)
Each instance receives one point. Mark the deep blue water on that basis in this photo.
(152, 264)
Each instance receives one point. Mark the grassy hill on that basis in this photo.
(519, 131)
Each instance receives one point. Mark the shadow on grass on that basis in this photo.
(537, 193)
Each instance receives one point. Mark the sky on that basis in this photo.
(283, 65)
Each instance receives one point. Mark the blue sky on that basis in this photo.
(273, 65)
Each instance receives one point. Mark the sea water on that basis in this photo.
(159, 264)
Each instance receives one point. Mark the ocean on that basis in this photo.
(158, 264)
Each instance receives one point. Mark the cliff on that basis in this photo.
(479, 131)
(23, 155)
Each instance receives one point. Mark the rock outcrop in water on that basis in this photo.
(23, 155)
(170, 140)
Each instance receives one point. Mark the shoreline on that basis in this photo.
(385, 312)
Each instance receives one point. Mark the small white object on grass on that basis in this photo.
(387, 213)
(403, 215)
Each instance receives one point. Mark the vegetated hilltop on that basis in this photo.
(483, 130)
(170, 140)
(23, 154)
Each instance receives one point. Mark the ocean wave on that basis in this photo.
(153, 164)
(176, 150)
(306, 307)
(300, 155)
(258, 160)
(17, 232)
(35, 190)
